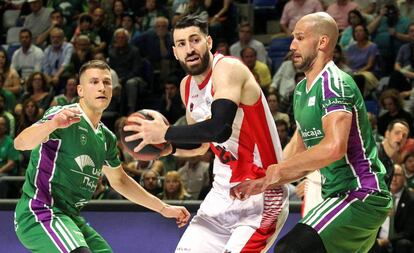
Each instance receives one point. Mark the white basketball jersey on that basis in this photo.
(254, 143)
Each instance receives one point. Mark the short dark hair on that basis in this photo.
(247, 48)
(85, 18)
(192, 20)
(93, 64)
(25, 30)
(391, 125)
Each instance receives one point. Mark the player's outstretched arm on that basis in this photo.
(32, 136)
(130, 189)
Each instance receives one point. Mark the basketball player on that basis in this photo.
(334, 135)
(226, 108)
(71, 149)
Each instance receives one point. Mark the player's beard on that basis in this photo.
(198, 69)
(306, 63)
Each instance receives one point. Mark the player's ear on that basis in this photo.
(80, 90)
(209, 42)
(175, 53)
(323, 42)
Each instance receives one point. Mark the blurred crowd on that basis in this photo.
(44, 43)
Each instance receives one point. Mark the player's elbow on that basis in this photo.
(336, 151)
(223, 134)
(19, 144)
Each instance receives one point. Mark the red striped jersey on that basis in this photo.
(254, 143)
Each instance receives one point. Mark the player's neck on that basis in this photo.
(316, 69)
(200, 78)
(93, 115)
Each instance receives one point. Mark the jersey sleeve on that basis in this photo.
(48, 115)
(112, 152)
(338, 93)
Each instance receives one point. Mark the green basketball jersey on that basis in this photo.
(63, 171)
(333, 90)
(63, 100)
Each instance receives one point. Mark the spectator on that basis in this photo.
(28, 115)
(221, 19)
(223, 48)
(149, 13)
(85, 27)
(128, 23)
(407, 9)
(259, 69)
(56, 20)
(389, 31)
(409, 170)
(391, 101)
(39, 20)
(403, 76)
(246, 40)
(9, 98)
(283, 82)
(102, 30)
(189, 7)
(38, 90)
(354, 18)
(151, 182)
(362, 56)
(127, 62)
(294, 10)
(273, 101)
(104, 191)
(82, 53)
(28, 58)
(195, 176)
(340, 60)
(283, 131)
(339, 11)
(156, 46)
(8, 115)
(11, 81)
(69, 96)
(9, 157)
(171, 105)
(173, 187)
(396, 234)
(389, 149)
(118, 9)
(57, 58)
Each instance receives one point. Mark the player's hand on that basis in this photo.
(247, 188)
(180, 214)
(150, 131)
(66, 117)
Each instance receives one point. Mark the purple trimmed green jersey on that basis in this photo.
(332, 91)
(63, 170)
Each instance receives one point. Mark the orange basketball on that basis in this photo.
(150, 151)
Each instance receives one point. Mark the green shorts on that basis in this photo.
(350, 222)
(41, 228)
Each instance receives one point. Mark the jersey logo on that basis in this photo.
(84, 160)
(224, 155)
(311, 101)
(83, 139)
(298, 93)
(191, 107)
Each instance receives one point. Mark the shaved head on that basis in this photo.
(322, 24)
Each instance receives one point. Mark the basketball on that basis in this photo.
(150, 151)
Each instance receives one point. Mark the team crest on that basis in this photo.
(191, 107)
(83, 139)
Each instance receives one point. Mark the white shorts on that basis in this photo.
(226, 225)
